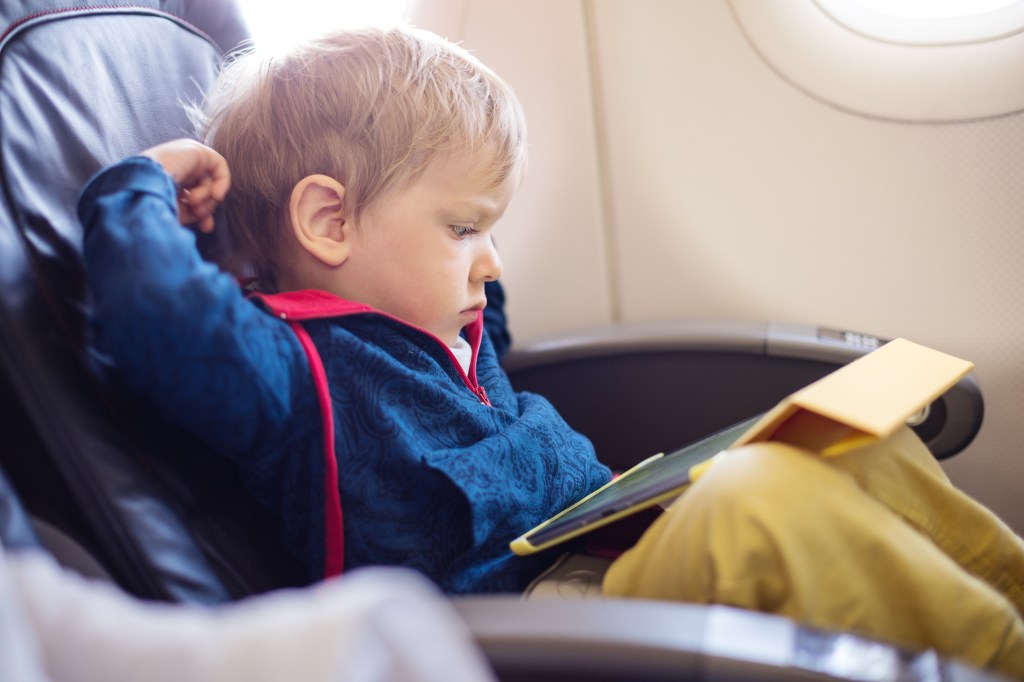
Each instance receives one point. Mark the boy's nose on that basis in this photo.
(487, 267)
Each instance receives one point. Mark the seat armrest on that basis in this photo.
(638, 389)
(615, 639)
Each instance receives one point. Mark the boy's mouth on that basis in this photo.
(473, 311)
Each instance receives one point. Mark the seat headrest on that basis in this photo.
(81, 88)
(71, 105)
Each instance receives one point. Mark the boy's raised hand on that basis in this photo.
(201, 175)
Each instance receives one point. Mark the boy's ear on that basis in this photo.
(318, 218)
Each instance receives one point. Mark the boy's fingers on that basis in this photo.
(206, 224)
(191, 164)
(196, 211)
(201, 175)
(209, 188)
(220, 179)
(194, 194)
(201, 198)
(211, 173)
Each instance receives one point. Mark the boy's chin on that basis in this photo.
(450, 340)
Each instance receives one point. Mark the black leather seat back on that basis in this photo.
(80, 88)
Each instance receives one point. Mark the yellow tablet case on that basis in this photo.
(859, 403)
(864, 401)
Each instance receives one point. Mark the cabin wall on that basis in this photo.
(552, 239)
(674, 174)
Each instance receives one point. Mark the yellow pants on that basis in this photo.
(875, 542)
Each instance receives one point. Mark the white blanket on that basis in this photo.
(371, 625)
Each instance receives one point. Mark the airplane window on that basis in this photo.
(933, 8)
(926, 61)
(277, 24)
(929, 22)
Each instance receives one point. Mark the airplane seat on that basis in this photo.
(636, 389)
(156, 512)
(81, 88)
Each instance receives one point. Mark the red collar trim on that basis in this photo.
(314, 304)
(475, 334)
(310, 304)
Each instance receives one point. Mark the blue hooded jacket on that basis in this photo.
(437, 469)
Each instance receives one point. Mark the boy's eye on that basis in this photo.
(462, 231)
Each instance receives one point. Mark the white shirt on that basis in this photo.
(463, 353)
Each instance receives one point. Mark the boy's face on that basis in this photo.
(423, 253)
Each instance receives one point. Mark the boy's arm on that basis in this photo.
(180, 331)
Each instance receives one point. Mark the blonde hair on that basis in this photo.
(370, 108)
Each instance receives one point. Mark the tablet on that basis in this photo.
(652, 481)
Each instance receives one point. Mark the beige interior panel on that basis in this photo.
(551, 239)
(737, 195)
(674, 174)
(941, 79)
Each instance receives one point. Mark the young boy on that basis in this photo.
(367, 171)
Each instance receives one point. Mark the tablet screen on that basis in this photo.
(640, 486)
